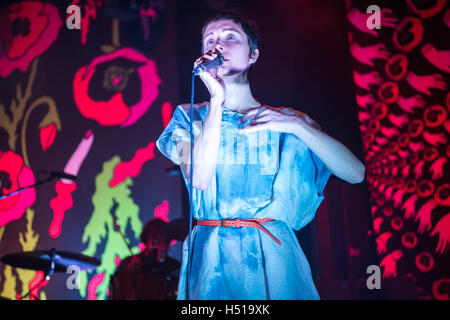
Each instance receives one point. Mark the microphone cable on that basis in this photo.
(191, 189)
(218, 61)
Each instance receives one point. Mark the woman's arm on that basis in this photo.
(338, 159)
(206, 144)
(206, 149)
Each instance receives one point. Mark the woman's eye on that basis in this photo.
(209, 41)
(230, 37)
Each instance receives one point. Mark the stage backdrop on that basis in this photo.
(92, 102)
(401, 75)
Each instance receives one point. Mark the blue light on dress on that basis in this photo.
(264, 174)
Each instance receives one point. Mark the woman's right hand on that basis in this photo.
(212, 79)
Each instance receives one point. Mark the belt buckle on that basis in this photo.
(223, 222)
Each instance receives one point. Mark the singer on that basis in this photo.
(275, 163)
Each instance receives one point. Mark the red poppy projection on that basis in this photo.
(13, 175)
(27, 29)
(104, 90)
(401, 73)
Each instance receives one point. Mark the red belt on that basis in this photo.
(240, 223)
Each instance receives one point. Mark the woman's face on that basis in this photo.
(229, 38)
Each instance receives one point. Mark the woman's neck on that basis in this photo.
(238, 96)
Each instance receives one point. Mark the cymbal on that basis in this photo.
(40, 260)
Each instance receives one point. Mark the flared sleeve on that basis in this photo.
(321, 176)
(299, 184)
(176, 132)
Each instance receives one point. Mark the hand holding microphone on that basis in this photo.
(207, 67)
(209, 64)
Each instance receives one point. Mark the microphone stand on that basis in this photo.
(38, 183)
(46, 277)
(218, 61)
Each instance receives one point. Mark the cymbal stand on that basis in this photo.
(46, 277)
(117, 228)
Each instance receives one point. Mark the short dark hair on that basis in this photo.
(247, 24)
(154, 228)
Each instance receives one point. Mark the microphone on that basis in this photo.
(63, 175)
(209, 64)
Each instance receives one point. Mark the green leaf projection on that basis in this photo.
(99, 233)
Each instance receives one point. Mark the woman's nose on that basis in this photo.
(219, 47)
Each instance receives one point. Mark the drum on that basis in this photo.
(144, 278)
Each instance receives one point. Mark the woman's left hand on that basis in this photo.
(281, 119)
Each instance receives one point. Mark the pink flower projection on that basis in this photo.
(64, 187)
(27, 29)
(13, 175)
(103, 90)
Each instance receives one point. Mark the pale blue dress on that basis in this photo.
(263, 174)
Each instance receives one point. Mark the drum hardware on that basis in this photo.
(151, 275)
(49, 262)
(117, 228)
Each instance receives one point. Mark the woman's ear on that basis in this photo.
(254, 56)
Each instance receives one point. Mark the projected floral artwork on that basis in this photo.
(108, 203)
(27, 29)
(103, 89)
(50, 79)
(14, 174)
(65, 187)
(89, 12)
